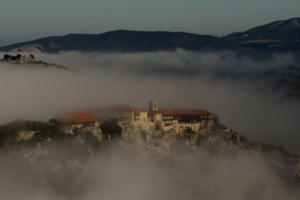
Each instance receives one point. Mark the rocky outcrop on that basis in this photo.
(220, 141)
(28, 61)
(169, 146)
(25, 136)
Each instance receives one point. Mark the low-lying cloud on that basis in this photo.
(176, 79)
(181, 62)
(115, 174)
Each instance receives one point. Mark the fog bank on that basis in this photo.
(178, 79)
(117, 174)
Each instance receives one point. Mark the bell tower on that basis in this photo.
(154, 105)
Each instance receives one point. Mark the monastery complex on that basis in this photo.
(156, 118)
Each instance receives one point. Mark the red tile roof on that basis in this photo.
(78, 117)
(181, 112)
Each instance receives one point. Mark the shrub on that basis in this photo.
(111, 129)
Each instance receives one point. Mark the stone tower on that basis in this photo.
(154, 105)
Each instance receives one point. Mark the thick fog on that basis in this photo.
(176, 79)
(114, 174)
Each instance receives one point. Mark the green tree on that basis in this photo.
(111, 129)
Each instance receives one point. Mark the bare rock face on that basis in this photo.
(25, 135)
(34, 48)
(220, 141)
(154, 142)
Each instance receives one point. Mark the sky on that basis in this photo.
(25, 20)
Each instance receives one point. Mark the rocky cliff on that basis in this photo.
(21, 135)
(48, 161)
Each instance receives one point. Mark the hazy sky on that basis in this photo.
(24, 20)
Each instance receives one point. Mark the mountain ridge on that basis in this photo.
(120, 41)
(278, 36)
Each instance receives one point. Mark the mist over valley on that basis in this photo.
(152, 115)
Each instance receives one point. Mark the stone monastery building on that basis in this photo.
(156, 118)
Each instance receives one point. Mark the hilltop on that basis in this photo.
(126, 128)
(278, 31)
(283, 34)
(79, 150)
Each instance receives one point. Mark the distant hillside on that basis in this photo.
(279, 36)
(122, 41)
(283, 34)
(286, 30)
